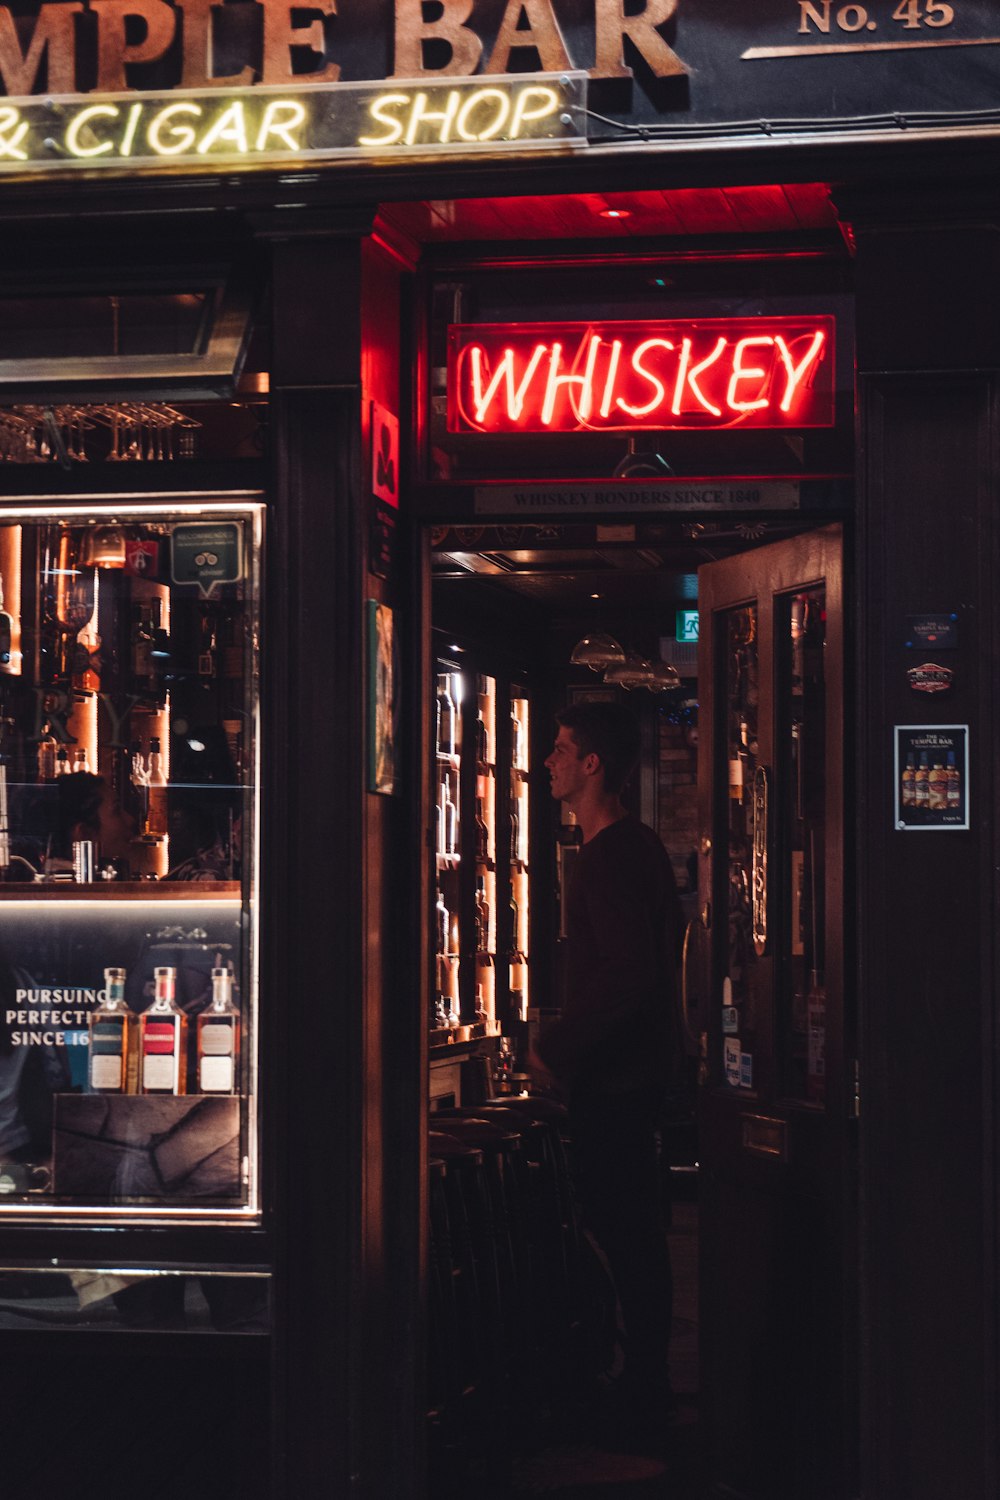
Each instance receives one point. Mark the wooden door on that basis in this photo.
(777, 1074)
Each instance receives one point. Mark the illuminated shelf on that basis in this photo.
(154, 891)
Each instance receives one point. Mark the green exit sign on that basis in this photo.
(687, 626)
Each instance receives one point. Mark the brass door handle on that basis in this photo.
(691, 1036)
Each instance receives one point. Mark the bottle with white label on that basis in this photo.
(156, 807)
(219, 1037)
(110, 1027)
(164, 1039)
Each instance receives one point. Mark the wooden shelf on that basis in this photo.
(160, 891)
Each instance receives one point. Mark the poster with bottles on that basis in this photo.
(931, 776)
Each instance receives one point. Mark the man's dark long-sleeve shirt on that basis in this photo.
(618, 1025)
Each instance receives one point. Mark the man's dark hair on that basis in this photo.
(611, 732)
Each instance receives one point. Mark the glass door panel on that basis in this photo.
(801, 707)
(775, 1124)
(740, 1022)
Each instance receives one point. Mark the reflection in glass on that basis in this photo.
(128, 764)
(802, 715)
(96, 1299)
(742, 701)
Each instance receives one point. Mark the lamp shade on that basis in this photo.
(597, 652)
(633, 672)
(664, 677)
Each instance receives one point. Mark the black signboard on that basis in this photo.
(677, 70)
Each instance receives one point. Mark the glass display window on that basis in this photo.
(129, 774)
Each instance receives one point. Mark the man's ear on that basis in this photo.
(592, 763)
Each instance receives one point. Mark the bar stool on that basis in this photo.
(552, 1222)
(474, 1260)
(444, 1387)
(503, 1295)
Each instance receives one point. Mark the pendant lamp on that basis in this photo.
(633, 672)
(597, 652)
(664, 677)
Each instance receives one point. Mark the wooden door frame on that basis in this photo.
(771, 571)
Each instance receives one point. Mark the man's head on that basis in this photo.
(595, 740)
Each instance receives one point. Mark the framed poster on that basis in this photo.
(931, 776)
(383, 696)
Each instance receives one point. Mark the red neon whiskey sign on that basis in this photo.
(684, 374)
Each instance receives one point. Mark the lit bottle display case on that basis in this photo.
(482, 892)
(128, 861)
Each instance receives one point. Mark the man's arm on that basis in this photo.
(617, 989)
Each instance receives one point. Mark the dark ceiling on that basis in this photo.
(689, 212)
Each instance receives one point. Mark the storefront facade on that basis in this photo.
(253, 250)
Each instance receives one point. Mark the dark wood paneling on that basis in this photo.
(925, 902)
(313, 961)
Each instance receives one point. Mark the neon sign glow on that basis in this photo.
(314, 123)
(708, 373)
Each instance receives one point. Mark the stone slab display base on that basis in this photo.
(111, 1149)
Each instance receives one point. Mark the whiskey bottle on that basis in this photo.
(908, 789)
(142, 646)
(515, 923)
(218, 1037)
(515, 833)
(6, 637)
(110, 1027)
(446, 717)
(163, 1030)
(482, 917)
(450, 821)
(442, 923)
(953, 783)
(482, 834)
(208, 652)
(86, 676)
(47, 754)
(921, 789)
(937, 786)
(156, 809)
(516, 747)
(482, 741)
(441, 820)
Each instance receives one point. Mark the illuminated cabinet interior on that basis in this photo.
(128, 835)
(482, 891)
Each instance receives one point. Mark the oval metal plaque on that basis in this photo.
(758, 881)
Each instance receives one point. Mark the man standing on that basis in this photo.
(615, 1044)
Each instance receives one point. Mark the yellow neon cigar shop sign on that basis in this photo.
(199, 128)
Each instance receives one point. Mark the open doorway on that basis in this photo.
(512, 607)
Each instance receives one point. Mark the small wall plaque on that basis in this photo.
(929, 677)
(939, 631)
(758, 893)
(763, 1136)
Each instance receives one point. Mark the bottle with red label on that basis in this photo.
(163, 1039)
